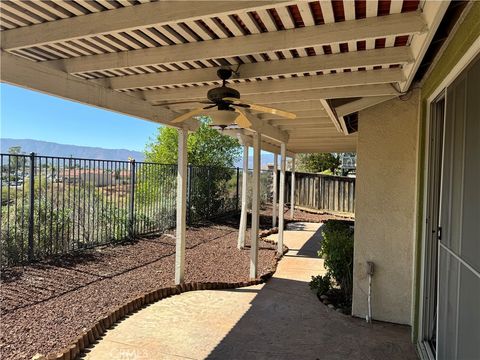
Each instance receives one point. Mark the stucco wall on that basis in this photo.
(385, 208)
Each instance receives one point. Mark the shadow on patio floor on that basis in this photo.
(282, 319)
(286, 322)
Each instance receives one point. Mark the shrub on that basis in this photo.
(320, 284)
(337, 251)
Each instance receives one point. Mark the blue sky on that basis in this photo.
(28, 114)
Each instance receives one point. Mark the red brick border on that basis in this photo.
(90, 336)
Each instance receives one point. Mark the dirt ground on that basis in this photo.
(45, 306)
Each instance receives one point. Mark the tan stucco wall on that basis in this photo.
(385, 199)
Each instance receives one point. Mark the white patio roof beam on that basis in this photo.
(390, 25)
(314, 94)
(302, 121)
(127, 18)
(288, 106)
(394, 55)
(359, 78)
(267, 130)
(246, 135)
(360, 104)
(36, 76)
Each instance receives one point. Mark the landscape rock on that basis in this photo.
(39, 357)
(107, 278)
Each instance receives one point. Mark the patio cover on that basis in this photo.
(322, 60)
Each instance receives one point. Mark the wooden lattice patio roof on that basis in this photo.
(129, 55)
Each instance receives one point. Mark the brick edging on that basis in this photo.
(96, 332)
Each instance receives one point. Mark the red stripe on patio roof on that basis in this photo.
(316, 13)
(360, 9)
(383, 7)
(338, 12)
(410, 5)
(296, 17)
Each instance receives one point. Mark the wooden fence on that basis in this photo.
(322, 192)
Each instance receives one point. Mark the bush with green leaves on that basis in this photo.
(320, 284)
(337, 251)
(211, 156)
(66, 217)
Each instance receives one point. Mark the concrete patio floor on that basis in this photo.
(279, 320)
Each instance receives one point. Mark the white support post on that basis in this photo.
(275, 195)
(281, 199)
(182, 173)
(244, 211)
(292, 195)
(257, 139)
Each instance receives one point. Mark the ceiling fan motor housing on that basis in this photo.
(217, 95)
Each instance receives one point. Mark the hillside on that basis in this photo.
(63, 150)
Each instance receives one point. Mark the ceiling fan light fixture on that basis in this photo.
(223, 118)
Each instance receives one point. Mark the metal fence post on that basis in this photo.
(238, 179)
(31, 215)
(131, 215)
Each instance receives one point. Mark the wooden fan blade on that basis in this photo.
(187, 115)
(209, 106)
(183, 102)
(273, 111)
(242, 120)
(260, 108)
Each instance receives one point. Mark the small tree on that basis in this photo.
(209, 187)
(15, 150)
(319, 162)
(16, 162)
(206, 146)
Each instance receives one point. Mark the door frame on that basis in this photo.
(469, 56)
(435, 129)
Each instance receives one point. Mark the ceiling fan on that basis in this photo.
(229, 107)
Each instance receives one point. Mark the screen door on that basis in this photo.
(458, 318)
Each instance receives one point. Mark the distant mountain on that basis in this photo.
(266, 158)
(63, 150)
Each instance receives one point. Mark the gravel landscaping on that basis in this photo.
(44, 306)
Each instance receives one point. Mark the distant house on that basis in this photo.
(97, 177)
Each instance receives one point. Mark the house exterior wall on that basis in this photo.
(467, 32)
(386, 188)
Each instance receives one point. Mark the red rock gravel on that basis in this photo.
(46, 305)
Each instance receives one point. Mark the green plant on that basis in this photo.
(206, 147)
(337, 252)
(211, 155)
(318, 162)
(320, 284)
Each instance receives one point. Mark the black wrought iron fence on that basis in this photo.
(54, 205)
(266, 187)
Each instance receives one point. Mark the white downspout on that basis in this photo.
(370, 269)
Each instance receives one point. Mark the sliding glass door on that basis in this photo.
(458, 318)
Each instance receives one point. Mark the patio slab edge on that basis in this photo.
(96, 332)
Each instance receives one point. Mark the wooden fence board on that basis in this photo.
(322, 192)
